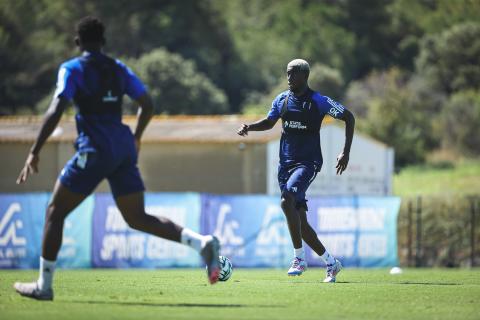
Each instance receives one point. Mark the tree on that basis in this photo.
(461, 120)
(327, 81)
(450, 61)
(176, 86)
(392, 112)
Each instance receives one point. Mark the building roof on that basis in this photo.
(172, 129)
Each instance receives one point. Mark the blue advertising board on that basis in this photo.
(22, 217)
(116, 245)
(251, 228)
(360, 231)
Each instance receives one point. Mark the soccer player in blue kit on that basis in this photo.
(106, 149)
(302, 111)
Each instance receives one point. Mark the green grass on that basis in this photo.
(461, 179)
(249, 294)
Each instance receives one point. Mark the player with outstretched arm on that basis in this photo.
(106, 149)
(302, 111)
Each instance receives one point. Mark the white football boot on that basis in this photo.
(298, 267)
(31, 290)
(332, 271)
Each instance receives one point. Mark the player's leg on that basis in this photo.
(132, 208)
(294, 182)
(310, 237)
(128, 190)
(63, 202)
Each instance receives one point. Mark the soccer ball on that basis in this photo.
(226, 268)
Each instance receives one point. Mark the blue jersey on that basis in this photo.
(97, 83)
(301, 119)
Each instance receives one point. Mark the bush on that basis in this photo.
(390, 110)
(445, 232)
(461, 120)
(176, 86)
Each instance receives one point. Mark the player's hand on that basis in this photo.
(30, 167)
(243, 130)
(342, 162)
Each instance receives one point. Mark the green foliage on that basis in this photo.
(176, 86)
(461, 122)
(445, 231)
(451, 60)
(393, 113)
(326, 80)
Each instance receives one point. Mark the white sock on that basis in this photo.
(299, 253)
(45, 278)
(193, 239)
(327, 258)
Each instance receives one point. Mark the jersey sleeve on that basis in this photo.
(327, 105)
(65, 83)
(274, 113)
(134, 87)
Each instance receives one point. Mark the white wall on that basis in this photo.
(369, 171)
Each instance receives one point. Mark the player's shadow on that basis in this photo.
(407, 283)
(182, 305)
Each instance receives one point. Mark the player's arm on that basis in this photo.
(144, 115)
(50, 122)
(342, 159)
(260, 125)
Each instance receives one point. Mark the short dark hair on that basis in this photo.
(90, 29)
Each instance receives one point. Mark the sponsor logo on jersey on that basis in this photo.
(295, 125)
(336, 109)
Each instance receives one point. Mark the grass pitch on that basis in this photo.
(249, 294)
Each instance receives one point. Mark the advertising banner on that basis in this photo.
(22, 218)
(251, 228)
(360, 231)
(116, 245)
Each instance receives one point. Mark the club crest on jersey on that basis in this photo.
(109, 97)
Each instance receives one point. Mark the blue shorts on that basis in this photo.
(86, 170)
(296, 179)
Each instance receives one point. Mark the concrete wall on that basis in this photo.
(201, 167)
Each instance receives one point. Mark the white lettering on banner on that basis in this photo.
(348, 219)
(336, 219)
(271, 230)
(10, 235)
(158, 248)
(225, 230)
(340, 244)
(123, 247)
(138, 246)
(372, 246)
(114, 220)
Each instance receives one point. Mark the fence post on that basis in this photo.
(409, 234)
(418, 253)
(473, 202)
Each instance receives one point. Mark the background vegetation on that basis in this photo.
(409, 69)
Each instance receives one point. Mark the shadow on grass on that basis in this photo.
(406, 283)
(188, 305)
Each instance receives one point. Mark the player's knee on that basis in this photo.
(287, 202)
(136, 222)
(54, 213)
